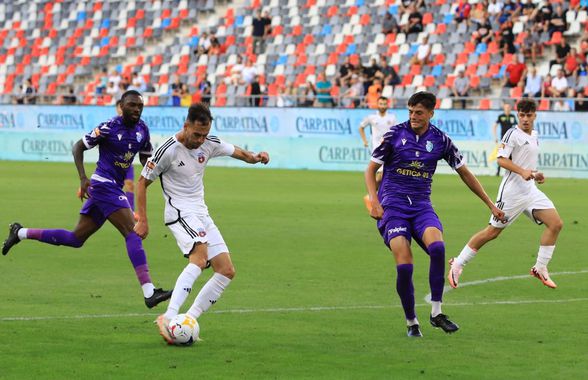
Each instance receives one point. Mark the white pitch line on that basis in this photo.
(285, 310)
(448, 288)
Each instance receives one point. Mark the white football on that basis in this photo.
(184, 330)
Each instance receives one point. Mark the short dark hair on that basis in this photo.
(382, 98)
(199, 112)
(426, 99)
(129, 93)
(527, 105)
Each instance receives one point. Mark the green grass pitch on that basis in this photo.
(314, 295)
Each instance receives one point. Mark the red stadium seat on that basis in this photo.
(544, 105)
(484, 104)
(427, 18)
(429, 81)
(332, 11)
(407, 80)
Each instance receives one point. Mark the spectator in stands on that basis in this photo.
(572, 63)
(532, 84)
(581, 103)
(370, 72)
(346, 70)
(204, 44)
(494, 10)
(261, 29)
(387, 73)
(515, 72)
(255, 99)
(114, 91)
(532, 46)
(526, 8)
(415, 21)
(546, 87)
(483, 32)
(205, 89)
(249, 72)
(177, 92)
(561, 52)
(542, 16)
(288, 96)
(461, 86)
(323, 91)
(138, 83)
(70, 97)
(186, 96)
(462, 13)
(561, 105)
(102, 81)
(352, 97)
(479, 12)
(115, 78)
(215, 47)
(237, 72)
(423, 53)
(558, 21)
(373, 94)
(28, 93)
(509, 11)
(507, 38)
(390, 24)
(308, 95)
(559, 85)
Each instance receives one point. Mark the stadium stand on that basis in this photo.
(65, 46)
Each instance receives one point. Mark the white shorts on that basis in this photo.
(513, 207)
(192, 229)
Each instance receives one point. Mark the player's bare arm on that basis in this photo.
(250, 157)
(507, 164)
(78, 155)
(362, 134)
(143, 158)
(370, 182)
(142, 226)
(476, 187)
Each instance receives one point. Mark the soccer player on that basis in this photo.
(506, 120)
(180, 163)
(379, 123)
(402, 205)
(518, 194)
(129, 183)
(119, 139)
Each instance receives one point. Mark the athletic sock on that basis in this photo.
(182, 289)
(405, 289)
(544, 255)
(412, 322)
(435, 308)
(209, 294)
(148, 289)
(436, 252)
(53, 237)
(465, 256)
(137, 256)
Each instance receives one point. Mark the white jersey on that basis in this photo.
(181, 171)
(523, 150)
(380, 125)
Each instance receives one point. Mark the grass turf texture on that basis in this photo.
(300, 240)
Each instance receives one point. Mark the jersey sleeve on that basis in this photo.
(365, 122)
(220, 148)
(158, 163)
(384, 150)
(147, 148)
(452, 155)
(509, 142)
(97, 135)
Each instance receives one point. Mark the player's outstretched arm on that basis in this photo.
(476, 187)
(250, 157)
(370, 182)
(142, 226)
(78, 156)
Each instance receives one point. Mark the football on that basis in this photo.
(184, 330)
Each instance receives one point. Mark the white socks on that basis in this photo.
(544, 255)
(148, 289)
(209, 294)
(22, 233)
(436, 308)
(182, 289)
(465, 256)
(412, 322)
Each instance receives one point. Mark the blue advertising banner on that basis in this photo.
(297, 138)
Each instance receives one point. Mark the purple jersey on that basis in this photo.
(410, 161)
(118, 145)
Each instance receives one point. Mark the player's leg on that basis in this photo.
(224, 272)
(86, 226)
(400, 247)
(553, 226)
(123, 220)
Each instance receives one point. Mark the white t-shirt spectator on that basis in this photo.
(560, 84)
(248, 73)
(533, 84)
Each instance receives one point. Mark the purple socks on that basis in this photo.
(137, 256)
(405, 289)
(437, 269)
(55, 237)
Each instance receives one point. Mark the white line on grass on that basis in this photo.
(448, 288)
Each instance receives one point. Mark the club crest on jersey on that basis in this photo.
(139, 137)
(429, 146)
(201, 232)
(201, 158)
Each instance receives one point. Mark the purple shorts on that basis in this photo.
(409, 220)
(105, 198)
